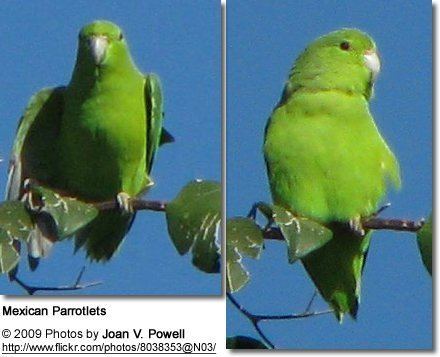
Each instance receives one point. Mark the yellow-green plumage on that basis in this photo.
(94, 138)
(326, 159)
(105, 116)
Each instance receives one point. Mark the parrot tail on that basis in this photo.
(13, 272)
(41, 239)
(104, 235)
(336, 269)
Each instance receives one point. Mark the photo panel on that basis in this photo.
(113, 183)
(329, 175)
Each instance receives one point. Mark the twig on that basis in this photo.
(372, 222)
(137, 204)
(256, 319)
(252, 319)
(312, 299)
(31, 290)
(273, 233)
(401, 225)
(383, 208)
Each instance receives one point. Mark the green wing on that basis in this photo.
(156, 134)
(32, 149)
(32, 155)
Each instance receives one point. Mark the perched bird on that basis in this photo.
(326, 159)
(94, 139)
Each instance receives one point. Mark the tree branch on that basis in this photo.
(137, 204)
(401, 225)
(31, 290)
(256, 319)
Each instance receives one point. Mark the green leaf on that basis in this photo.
(15, 220)
(9, 256)
(424, 240)
(193, 219)
(69, 214)
(244, 342)
(302, 235)
(244, 234)
(244, 237)
(236, 275)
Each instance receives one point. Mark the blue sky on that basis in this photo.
(264, 38)
(178, 40)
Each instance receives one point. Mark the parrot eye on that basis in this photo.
(121, 36)
(345, 46)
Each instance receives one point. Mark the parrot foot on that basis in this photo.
(125, 204)
(27, 197)
(356, 227)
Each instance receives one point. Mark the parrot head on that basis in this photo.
(102, 43)
(345, 60)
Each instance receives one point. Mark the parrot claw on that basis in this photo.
(27, 184)
(383, 208)
(124, 203)
(356, 227)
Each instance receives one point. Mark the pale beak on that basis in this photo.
(98, 46)
(372, 62)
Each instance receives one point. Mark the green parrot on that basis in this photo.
(94, 139)
(326, 159)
